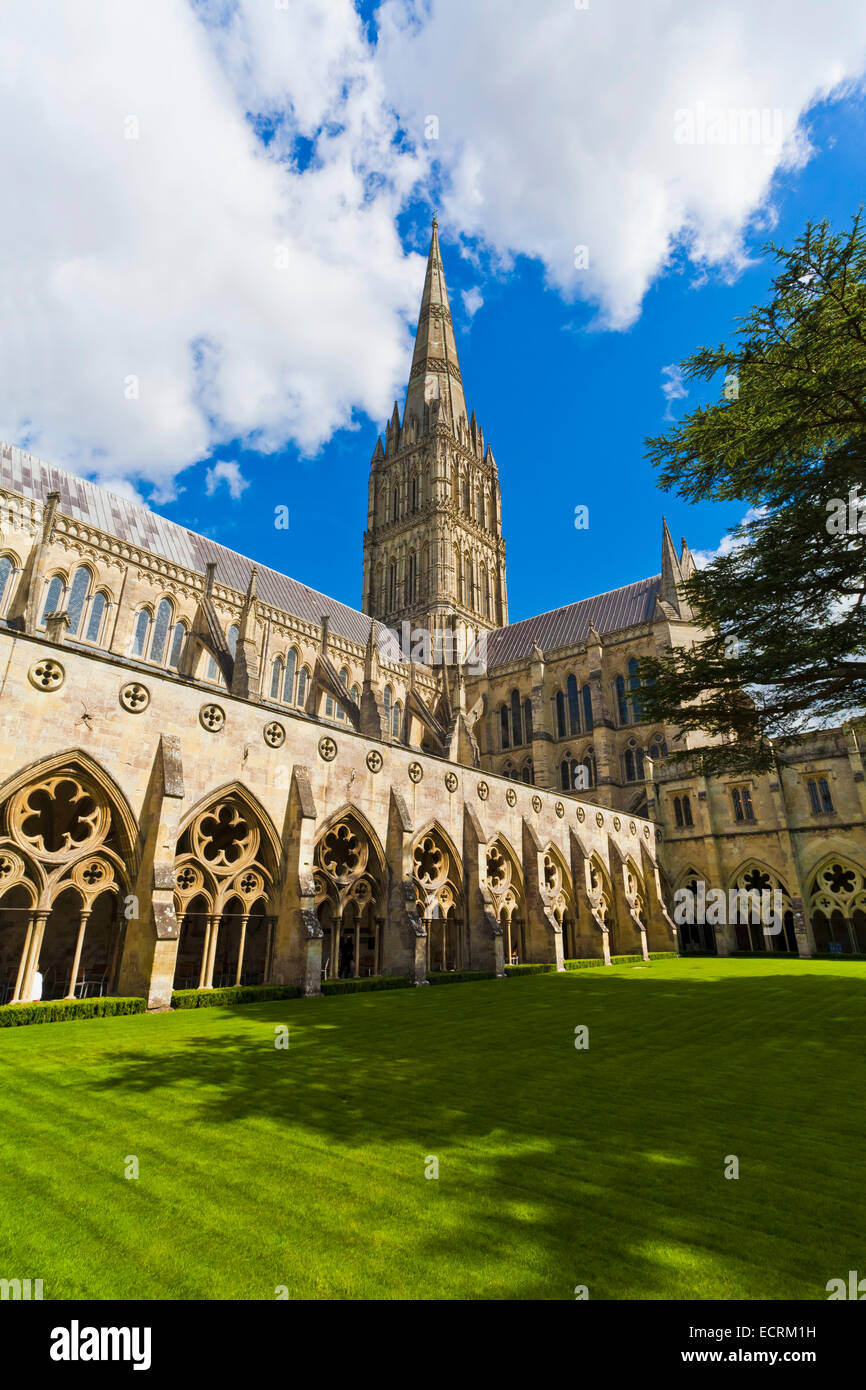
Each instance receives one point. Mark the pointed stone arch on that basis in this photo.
(439, 886)
(837, 905)
(505, 886)
(755, 877)
(227, 854)
(557, 893)
(68, 852)
(350, 877)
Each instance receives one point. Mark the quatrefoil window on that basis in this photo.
(47, 675)
(186, 879)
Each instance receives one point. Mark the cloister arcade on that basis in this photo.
(65, 844)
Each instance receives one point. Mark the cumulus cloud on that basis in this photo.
(167, 280)
(632, 130)
(228, 473)
(199, 237)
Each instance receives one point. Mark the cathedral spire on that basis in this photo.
(435, 373)
(672, 575)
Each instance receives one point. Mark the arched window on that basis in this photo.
(276, 677)
(516, 731)
(565, 775)
(232, 639)
(140, 633)
(678, 811)
(588, 765)
(164, 616)
(394, 505)
(414, 494)
(687, 811)
(479, 507)
(392, 585)
(289, 678)
(573, 705)
(658, 749)
(634, 685)
(527, 721)
(53, 598)
(561, 731)
(178, 637)
(503, 726)
(387, 702)
(468, 596)
(411, 579)
(77, 599)
(6, 568)
(586, 695)
(633, 763)
(485, 591)
(621, 702)
(212, 671)
(303, 681)
(526, 772)
(94, 621)
(397, 721)
(467, 496)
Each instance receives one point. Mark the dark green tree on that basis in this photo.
(785, 605)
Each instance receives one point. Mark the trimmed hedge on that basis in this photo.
(361, 986)
(61, 1010)
(530, 969)
(232, 994)
(458, 977)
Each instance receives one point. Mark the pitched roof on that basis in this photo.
(134, 522)
(563, 627)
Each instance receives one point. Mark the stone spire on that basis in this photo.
(435, 373)
(672, 575)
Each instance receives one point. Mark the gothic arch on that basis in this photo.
(754, 876)
(837, 905)
(67, 854)
(438, 876)
(350, 878)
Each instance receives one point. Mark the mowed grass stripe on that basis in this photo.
(310, 1163)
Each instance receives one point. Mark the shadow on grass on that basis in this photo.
(603, 1166)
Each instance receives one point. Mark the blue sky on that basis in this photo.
(212, 250)
(565, 406)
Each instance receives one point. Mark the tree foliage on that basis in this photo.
(785, 603)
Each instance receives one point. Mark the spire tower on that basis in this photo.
(433, 548)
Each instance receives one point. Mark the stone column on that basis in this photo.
(73, 974)
(241, 947)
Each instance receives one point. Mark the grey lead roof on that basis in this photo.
(563, 627)
(135, 523)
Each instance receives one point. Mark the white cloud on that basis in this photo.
(228, 473)
(247, 298)
(729, 543)
(261, 292)
(558, 127)
(673, 387)
(472, 301)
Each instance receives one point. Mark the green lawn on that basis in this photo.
(557, 1167)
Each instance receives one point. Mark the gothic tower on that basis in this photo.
(433, 548)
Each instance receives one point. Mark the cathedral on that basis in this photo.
(211, 775)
